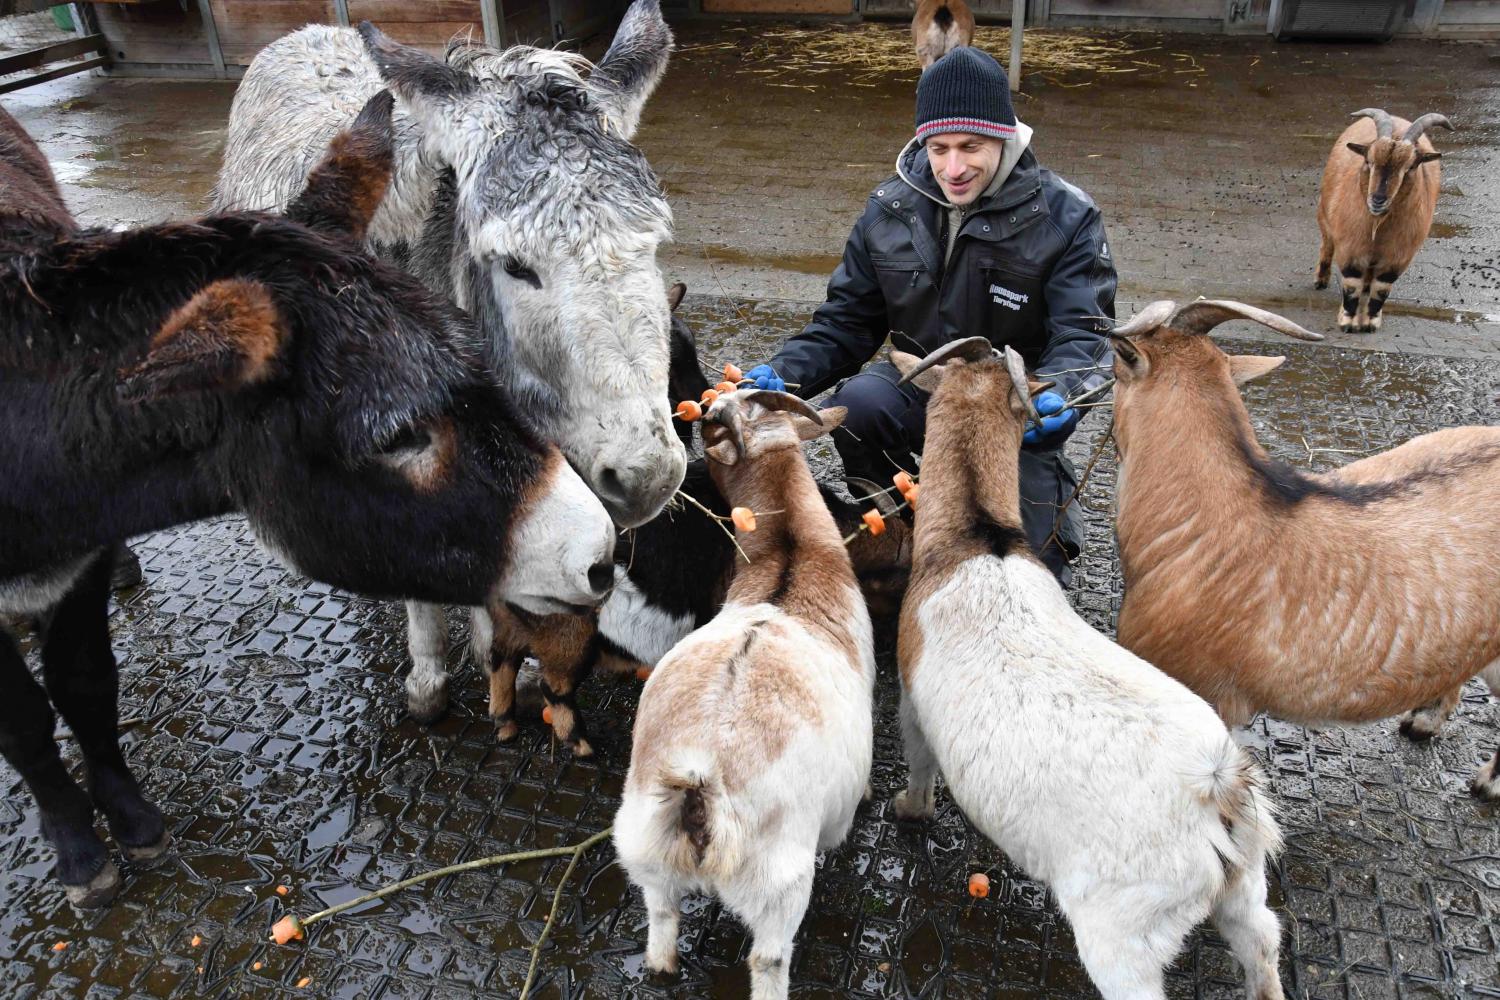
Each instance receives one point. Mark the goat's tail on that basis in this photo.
(1231, 783)
(700, 831)
(942, 17)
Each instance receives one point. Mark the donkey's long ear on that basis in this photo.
(428, 87)
(345, 189)
(226, 337)
(633, 66)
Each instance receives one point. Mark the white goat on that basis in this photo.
(753, 740)
(1123, 791)
(1344, 597)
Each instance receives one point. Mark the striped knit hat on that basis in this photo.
(965, 91)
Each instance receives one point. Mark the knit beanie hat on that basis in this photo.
(965, 91)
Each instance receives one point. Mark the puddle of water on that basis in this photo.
(1445, 230)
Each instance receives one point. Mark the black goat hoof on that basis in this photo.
(97, 891)
(148, 855)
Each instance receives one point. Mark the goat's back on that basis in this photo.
(31, 204)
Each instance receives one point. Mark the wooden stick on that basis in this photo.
(536, 949)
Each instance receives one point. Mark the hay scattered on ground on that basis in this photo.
(884, 48)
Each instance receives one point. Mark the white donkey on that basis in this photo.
(518, 193)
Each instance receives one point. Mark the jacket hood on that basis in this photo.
(913, 167)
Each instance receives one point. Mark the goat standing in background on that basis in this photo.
(1375, 209)
(939, 27)
(1344, 597)
(753, 740)
(1137, 853)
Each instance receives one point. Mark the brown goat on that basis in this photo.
(1375, 209)
(939, 27)
(1342, 597)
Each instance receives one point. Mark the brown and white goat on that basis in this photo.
(939, 27)
(753, 741)
(1375, 209)
(1341, 597)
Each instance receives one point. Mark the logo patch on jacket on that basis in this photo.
(1007, 298)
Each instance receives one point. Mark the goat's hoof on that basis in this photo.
(868, 795)
(904, 808)
(97, 891)
(664, 965)
(1486, 784)
(1418, 728)
(427, 714)
(126, 569)
(582, 748)
(506, 730)
(1320, 284)
(147, 855)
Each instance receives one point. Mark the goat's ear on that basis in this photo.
(226, 337)
(832, 418)
(718, 444)
(623, 80)
(674, 296)
(1035, 388)
(1358, 147)
(1249, 367)
(1130, 360)
(345, 189)
(1428, 157)
(927, 381)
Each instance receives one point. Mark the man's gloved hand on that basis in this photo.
(1057, 422)
(765, 377)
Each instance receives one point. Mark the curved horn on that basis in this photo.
(1148, 319)
(1018, 381)
(1205, 314)
(1415, 129)
(773, 400)
(863, 489)
(968, 349)
(1383, 124)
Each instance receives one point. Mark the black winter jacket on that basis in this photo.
(1030, 268)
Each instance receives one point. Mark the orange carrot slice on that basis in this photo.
(743, 518)
(689, 410)
(874, 522)
(911, 495)
(642, 673)
(257, 966)
(979, 885)
(282, 890)
(732, 373)
(709, 397)
(286, 929)
(547, 714)
(196, 941)
(304, 982)
(903, 481)
(724, 387)
(60, 946)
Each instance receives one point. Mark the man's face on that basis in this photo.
(964, 163)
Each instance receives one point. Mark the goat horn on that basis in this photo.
(1018, 380)
(1205, 314)
(968, 349)
(863, 489)
(773, 400)
(1148, 319)
(1415, 129)
(1383, 124)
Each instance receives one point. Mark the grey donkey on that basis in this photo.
(518, 193)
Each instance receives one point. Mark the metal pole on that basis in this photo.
(206, 11)
(341, 11)
(493, 15)
(1017, 24)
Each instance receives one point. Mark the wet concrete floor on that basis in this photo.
(274, 733)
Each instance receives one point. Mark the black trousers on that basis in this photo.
(887, 424)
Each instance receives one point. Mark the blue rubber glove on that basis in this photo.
(1057, 422)
(765, 377)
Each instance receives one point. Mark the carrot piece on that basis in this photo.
(60, 946)
(709, 397)
(732, 373)
(911, 495)
(743, 518)
(282, 890)
(304, 982)
(903, 481)
(286, 929)
(547, 714)
(642, 673)
(979, 885)
(689, 410)
(257, 966)
(874, 522)
(724, 387)
(196, 941)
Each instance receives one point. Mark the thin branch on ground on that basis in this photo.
(536, 949)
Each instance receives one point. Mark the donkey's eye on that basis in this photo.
(408, 439)
(520, 271)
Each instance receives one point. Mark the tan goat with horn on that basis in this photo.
(1375, 209)
(1342, 597)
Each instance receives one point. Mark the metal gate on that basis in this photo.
(41, 42)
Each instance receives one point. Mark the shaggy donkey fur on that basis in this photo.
(517, 193)
(242, 362)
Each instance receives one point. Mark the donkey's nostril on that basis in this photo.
(601, 576)
(611, 485)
